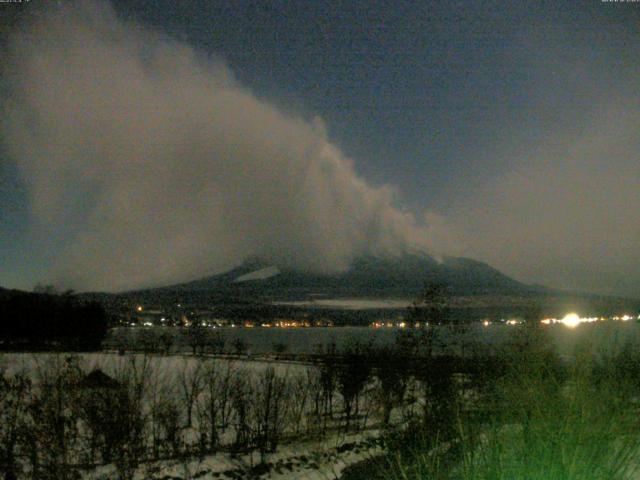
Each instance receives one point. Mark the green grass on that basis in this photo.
(542, 422)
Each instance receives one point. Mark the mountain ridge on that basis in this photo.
(368, 275)
(477, 291)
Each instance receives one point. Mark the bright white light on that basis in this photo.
(571, 320)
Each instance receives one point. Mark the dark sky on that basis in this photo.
(502, 131)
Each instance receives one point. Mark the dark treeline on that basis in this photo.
(40, 321)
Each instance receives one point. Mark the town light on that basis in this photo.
(571, 320)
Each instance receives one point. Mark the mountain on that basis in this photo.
(258, 289)
(368, 276)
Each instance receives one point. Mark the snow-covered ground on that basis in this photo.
(303, 452)
(163, 367)
(301, 460)
(299, 455)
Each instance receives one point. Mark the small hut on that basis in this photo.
(97, 379)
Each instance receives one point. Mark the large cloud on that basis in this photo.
(152, 165)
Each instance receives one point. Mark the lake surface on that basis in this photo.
(604, 337)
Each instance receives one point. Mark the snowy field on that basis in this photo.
(180, 416)
(164, 368)
(198, 417)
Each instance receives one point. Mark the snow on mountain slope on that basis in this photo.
(261, 274)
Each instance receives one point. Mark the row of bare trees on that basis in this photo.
(198, 339)
(57, 418)
(63, 415)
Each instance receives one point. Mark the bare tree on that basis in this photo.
(15, 393)
(166, 415)
(352, 375)
(127, 437)
(241, 394)
(392, 371)
(196, 337)
(432, 306)
(151, 339)
(190, 381)
(239, 346)
(301, 392)
(209, 410)
(216, 340)
(269, 409)
(328, 383)
(160, 390)
(224, 388)
(55, 426)
(166, 339)
(316, 391)
(122, 339)
(279, 348)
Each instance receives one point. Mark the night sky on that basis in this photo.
(150, 142)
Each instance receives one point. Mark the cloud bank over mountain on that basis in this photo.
(148, 163)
